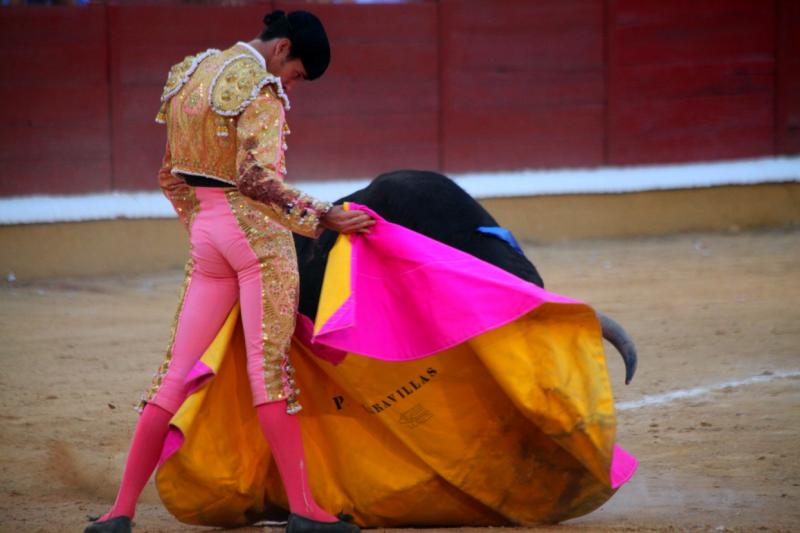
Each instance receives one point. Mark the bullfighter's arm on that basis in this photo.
(180, 195)
(260, 167)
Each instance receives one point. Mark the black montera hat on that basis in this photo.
(309, 40)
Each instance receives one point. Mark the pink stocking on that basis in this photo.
(282, 431)
(148, 439)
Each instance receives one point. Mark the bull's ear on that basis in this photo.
(346, 206)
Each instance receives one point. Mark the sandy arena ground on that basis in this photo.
(714, 314)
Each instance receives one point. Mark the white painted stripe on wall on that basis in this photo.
(672, 396)
(631, 179)
(104, 206)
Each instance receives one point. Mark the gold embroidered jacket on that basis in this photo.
(225, 118)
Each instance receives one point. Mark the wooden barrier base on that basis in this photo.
(585, 216)
(103, 247)
(32, 251)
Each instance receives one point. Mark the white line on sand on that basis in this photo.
(668, 397)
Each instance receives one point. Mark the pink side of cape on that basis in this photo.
(623, 466)
(412, 296)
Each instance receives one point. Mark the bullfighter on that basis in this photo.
(223, 171)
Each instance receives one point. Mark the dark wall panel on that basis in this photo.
(788, 90)
(690, 80)
(54, 136)
(376, 108)
(522, 84)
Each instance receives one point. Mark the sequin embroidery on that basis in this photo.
(261, 164)
(158, 377)
(274, 248)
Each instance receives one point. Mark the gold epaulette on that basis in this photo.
(238, 82)
(178, 76)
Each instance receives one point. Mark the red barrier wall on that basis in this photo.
(522, 84)
(54, 96)
(377, 108)
(788, 87)
(448, 85)
(690, 80)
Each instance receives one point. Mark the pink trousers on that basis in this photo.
(237, 253)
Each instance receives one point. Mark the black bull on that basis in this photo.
(432, 204)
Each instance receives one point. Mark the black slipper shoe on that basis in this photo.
(300, 524)
(119, 524)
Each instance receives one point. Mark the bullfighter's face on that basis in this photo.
(279, 63)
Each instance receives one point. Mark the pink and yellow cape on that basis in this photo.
(437, 390)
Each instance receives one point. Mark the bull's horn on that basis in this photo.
(616, 335)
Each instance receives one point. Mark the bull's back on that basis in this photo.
(428, 203)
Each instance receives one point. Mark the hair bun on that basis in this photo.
(275, 16)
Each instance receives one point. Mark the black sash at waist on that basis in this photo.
(202, 181)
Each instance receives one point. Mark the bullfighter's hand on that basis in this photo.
(343, 221)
